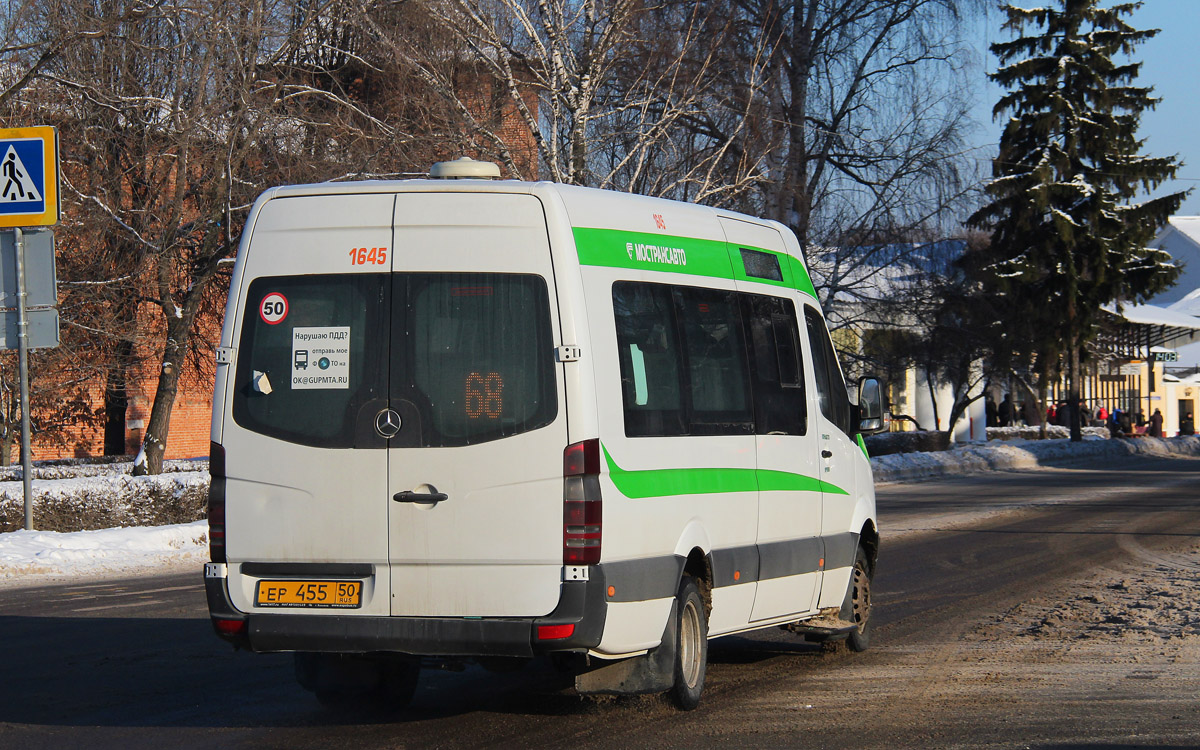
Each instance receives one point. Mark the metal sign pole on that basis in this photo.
(23, 376)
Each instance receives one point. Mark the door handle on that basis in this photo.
(826, 454)
(408, 496)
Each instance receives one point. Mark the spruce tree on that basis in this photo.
(1067, 232)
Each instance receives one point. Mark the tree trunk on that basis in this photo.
(929, 383)
(154, 445)
(1041, 401)
(1073, 394)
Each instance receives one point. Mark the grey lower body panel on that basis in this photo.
(409, 635)
(658, 577)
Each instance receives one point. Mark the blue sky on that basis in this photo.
(1171, 64)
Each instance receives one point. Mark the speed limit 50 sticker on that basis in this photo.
(273, 309)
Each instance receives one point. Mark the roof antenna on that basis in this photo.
(465, 168)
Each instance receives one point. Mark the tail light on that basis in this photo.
(581, 503)
(229, 627)
(555, 632)
(216, 502)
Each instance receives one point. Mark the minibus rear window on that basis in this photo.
(476, 355)
(461, 358)
(309, 361)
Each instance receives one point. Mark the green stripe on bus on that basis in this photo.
(643, 251)
(654, 252)
(667, 482)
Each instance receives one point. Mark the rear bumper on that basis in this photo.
(581, 604)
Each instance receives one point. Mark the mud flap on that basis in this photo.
(652, 672)
(830, 624)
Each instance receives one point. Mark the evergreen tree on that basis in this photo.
(1067, 234)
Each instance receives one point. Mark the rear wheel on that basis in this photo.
(691, 646)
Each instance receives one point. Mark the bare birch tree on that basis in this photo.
(602, 87)
(859, 130)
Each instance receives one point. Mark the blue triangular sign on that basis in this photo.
(16, 185)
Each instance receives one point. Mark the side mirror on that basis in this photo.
(870, 406)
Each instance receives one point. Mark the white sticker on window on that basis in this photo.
(641, 395)
(321, 357)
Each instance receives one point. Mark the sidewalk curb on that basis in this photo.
(1022, 454)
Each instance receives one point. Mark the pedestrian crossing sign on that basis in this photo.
(28, 177)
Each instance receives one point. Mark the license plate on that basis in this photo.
(336, 594)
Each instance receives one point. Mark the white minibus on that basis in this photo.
(481, 420)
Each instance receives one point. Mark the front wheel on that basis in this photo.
(691, 646)
(857, 607)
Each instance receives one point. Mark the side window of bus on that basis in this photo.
(831, 389)
(682, 355)
(718, 374)
(780, 405)
(649, 355)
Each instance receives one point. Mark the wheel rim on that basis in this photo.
(689, 644)
(861, 598)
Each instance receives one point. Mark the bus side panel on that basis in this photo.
(654, 487)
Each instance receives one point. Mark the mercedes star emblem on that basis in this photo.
(387, 423)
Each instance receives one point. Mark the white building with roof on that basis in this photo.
(1181, 240)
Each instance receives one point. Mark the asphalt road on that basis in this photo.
(134, 663)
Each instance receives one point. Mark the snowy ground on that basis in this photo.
(32, 557)
(28, 557)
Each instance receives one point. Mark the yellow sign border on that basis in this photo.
(49, 136)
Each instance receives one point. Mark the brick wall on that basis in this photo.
(191, 417)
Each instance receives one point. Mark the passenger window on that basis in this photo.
(649, 356)
(717, 372)
(831, 389)
(779, 399)
(682, 356)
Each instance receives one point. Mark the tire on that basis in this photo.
(857, 607)
(691, 646)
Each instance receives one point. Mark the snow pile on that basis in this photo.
(1053, 432)
(1022, 454)
(97, 502)
(73, 468)
(50, 553)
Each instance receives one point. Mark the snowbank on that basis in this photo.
(1053, 432)
(98, 502)
(1022, 454)
(26, 556)
(71, 468)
